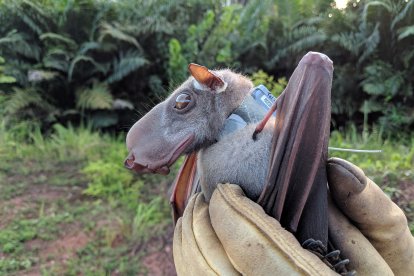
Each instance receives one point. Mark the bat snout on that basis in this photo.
(131, 164)
(129, 161)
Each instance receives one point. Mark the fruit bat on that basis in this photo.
(279, 162)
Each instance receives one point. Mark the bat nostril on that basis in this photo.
(129, 161)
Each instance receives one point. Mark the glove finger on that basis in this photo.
(207, 240)
(364, 258)
(196, 248)
(179, 260)
(256, 243)
(373, 213)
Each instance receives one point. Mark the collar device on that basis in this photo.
(252, 109)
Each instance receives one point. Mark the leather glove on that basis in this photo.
(366, 225)
(232, 235)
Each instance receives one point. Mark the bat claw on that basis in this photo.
(331, 259)
(254, 136)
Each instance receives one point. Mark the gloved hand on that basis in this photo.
(366, 225)
(232, 235)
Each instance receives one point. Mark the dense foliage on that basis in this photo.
(71, 60)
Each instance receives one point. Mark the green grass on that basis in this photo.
(70, 185)
(72, 181)
(395, 162)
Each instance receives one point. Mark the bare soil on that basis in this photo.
(157, 258)
(73, 237)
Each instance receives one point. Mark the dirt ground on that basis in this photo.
(56, 254)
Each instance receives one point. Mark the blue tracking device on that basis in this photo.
(251, 110)
(263, 97)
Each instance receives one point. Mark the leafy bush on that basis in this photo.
(124, 54)
(274, 86)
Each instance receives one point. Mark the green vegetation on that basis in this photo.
(99, 61)
(68, 205)
(75, 74)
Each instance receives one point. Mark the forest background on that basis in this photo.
(76, 74)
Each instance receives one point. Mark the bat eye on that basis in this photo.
(182, 101)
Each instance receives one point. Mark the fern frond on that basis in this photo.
(290, 10)
(16, 43)
(307, 43)
(406, 57)
(87, 46)
(59, 51)
(126, 64)
(118, 34)
(22, 98)
(96, 97)
(405, 32)
(99, 17)
(18, 69)
(309, 21)
(150, 24)
(32, 15)
(34, 6)
(349, 41)
(299, 40)
(371, 4)
(400, 16)
(83, 58)
(60, 38)
(370, 44)
(56, 63)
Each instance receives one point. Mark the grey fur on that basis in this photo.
(238, 159)
(235, 158)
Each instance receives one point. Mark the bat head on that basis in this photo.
(189, 119)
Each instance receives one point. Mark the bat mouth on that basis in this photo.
(159, 166)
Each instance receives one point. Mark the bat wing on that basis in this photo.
(296, 189)
(184, 185)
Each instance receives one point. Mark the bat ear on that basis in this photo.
(206, 78)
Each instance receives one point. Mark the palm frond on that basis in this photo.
(59, 38)
(405, 32)
(406, 58)
(350, 41)
(87, 46)
(298, 40)
(116, 33)
(150, 24)
(372, 4)
(289, 10)
(96, 97)
(126, 64)
(33, 16)
(370, 44)
(308, 42)
(22, 98)
(56, 61)
(16, 42)
(83, 58)
(4, 78)
(402, 15)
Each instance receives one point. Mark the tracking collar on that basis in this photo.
(252, 110)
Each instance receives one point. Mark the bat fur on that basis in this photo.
(236, 158)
